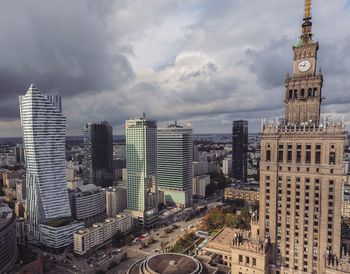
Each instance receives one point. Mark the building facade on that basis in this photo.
(88, 204)
(199, 185)
(44, 126)
(301, 180)
(89, 238)
(239, 150)
(227, 167)
(98, 154)
(141, 163)
(248, 196)
(174, 164)
(116, 200)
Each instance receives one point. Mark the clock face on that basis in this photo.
(304, 65)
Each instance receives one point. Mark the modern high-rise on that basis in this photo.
(98, 154)
(174, 164)
(48, 207)
(301, 179)
(141, 163)
(239, 150)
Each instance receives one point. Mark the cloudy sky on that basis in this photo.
(202, 62)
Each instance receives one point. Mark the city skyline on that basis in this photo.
(170, 59)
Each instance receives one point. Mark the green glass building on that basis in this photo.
(141, 163)
(174, 169)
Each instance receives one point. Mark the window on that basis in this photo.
(308, 154)
(298, 159)
(309, 93)
(289, 153)
(332, 158)
(268, 154)
(290, 94)
(280, 153)
(247, 260)
(318, 154)
(254, 262)
(302, 93)
(240, 259)
(295, 94)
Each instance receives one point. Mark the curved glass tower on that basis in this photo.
(44, 128)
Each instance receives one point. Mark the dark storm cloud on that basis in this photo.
(60, 46)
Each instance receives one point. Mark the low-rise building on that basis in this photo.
(115, 200)
(88, 204)
(227, 167)
(240, 194)
(199, 184)
(88, 238)
(58, 234)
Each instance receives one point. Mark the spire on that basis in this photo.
(306, 33)
(307, 9)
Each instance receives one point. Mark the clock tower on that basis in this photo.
(303, 88)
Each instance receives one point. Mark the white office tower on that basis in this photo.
(141, 163)
(48, 209)
(174, 164)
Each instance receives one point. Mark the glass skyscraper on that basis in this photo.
(174, 164)
(141, 163)
(44, 129)
(98, 154)
(239, 150)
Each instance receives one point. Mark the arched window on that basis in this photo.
(291, 94)
(268, 153)
(315, 92)
(295, 94)
(309, 93)
(302, 93)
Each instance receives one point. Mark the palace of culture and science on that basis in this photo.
(301, 178)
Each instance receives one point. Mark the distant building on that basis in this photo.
(74, 184)
(98, 154)
(116, 200)
(88, 204)
(174, 164)
(239, 150)
(48, 212)
(89, 238)
(141, 163)
(200, 168)
(199, 184)
(195, 153)
(20, 209)
(345, 209)
(21, 231)
(8, 243)
(227, 167)
(231, 193)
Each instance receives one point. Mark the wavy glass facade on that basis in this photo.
(44, 128)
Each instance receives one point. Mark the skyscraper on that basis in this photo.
(141, 163)
(239, 150)
(301, 177)
(98, 154)
(174, 164)
(44, 128)
(301, 169)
